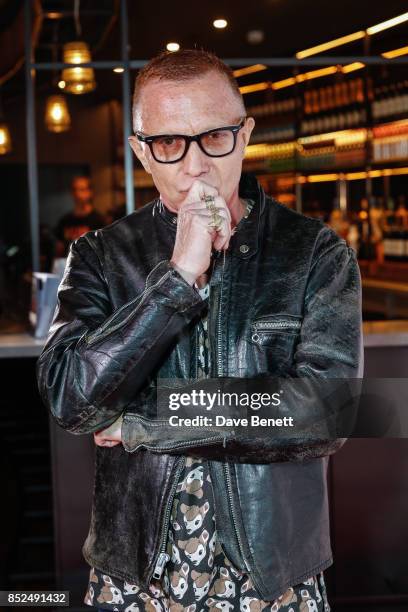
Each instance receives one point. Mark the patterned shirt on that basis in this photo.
(198, 576)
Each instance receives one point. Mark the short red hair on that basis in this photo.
(184, 65)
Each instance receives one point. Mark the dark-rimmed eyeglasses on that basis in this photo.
(171, 148)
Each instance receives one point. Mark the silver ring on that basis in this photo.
(210, 203)
(216, 221)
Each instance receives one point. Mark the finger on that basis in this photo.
(220, 202)
(218, 206)
(220, 244)
(204, 220)
(98, 440)
(223, 236)
(202, 206)
(200, 189)
(104, 442)
(225, 229)
(222, 240)
(205, 213)
(192, 207)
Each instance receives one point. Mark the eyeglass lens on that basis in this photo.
(170, 148)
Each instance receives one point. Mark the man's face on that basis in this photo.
(82, 190)
(189, 108)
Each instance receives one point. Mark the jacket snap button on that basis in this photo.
(244, 248)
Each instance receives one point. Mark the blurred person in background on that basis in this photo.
(82, 219)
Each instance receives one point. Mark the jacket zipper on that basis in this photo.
(261, 325)
(226, 467)
(176, 446)
(216, 437)
(225, 464)
(229, 487)
(219, 350)
(163, 557)
(265, 326)
(196, 349)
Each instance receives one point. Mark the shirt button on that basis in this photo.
(244, 248)
(174, 219)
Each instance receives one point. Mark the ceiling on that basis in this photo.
(288, 26)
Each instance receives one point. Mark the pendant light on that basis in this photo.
(5, 139)
(57, 117)
(78, 80)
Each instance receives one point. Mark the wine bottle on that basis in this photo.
(366, 248)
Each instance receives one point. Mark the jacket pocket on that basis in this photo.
(264, 328)
(274, 339)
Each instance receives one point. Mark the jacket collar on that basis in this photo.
(164, 213)
(245, 242)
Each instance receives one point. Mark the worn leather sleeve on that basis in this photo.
(330, 347)
(95, 359)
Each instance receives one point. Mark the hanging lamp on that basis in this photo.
(77, 80)
(5, 139)
(57, 117)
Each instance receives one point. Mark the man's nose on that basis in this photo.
(195, 162)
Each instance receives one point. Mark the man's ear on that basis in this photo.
(139, 152)
(247, 129)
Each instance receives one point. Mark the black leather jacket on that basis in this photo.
(125, 317)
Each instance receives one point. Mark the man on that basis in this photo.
(212, 279)
(82, 219)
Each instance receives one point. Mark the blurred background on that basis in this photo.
(327, 84)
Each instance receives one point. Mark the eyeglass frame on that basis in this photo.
(189, 139)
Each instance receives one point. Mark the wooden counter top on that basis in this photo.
(393, 271)
(385, 333)
(20, 345)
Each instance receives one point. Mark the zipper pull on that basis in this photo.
(161, 562)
